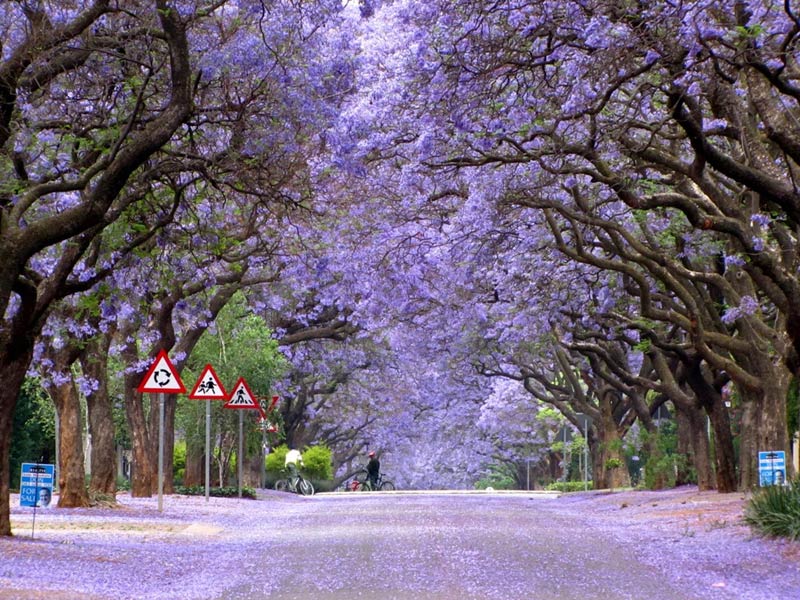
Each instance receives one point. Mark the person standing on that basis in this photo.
(373, 470)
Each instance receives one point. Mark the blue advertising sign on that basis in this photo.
(36, 485)
(771, 468)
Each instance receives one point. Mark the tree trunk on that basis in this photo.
(709, 396)
(611, 447)
(71, 470)
(724, 453)
(763, 427)
(153, 417)
(64, 394)
(94, 362)
(698, 426)
(195, 473)
(748, 447)
(141, 467)
(170, 405)
(13, 368)
(253, 470)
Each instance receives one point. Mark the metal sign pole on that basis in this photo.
(36, 500)
(528, 477)
(240, 458)
(208, 448)
(586, 455)
(161, 452)
(58, 454)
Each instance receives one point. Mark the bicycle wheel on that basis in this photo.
(305, 488)
(282, 485)
(387, 486)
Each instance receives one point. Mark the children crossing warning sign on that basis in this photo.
(162, 377)
(242, 398)
(208, 386)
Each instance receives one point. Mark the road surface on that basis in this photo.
(446, 547)
(396, 546)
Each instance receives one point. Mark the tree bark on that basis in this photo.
(141, 466)
(698, 427)
(195, 473)
(64, 394)
(13, 365)
(763, 428)
(724, 454)
(94, 362)
(71, 470)
(611, 447)
(170, 405)
(253, 469)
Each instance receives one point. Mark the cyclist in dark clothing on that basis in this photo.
(373, 470)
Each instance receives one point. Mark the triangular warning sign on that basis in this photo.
(208, 386)
(242, 397)
(267, 425)
(162, 377)
(271, 406)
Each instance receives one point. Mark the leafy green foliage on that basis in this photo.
(241, 345)
(318, 462)
(275, 460)
(775, 511)
(498, 478)
(568, 486)
(179, 460)
(664, 462)
(33, 430)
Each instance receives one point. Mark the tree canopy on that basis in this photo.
(464, 224)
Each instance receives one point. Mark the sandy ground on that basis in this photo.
(667, 545)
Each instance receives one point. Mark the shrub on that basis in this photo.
(224, 492)
(775, 511)
(275, 460)
(179, 461)
(568, 486)
(498, 478)
(665, 467)
(318, 463)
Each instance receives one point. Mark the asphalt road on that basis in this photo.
(671, 545)
(444, 547)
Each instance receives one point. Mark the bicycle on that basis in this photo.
(296, 485)
(382, 485)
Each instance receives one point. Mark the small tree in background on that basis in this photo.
(33, 429)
